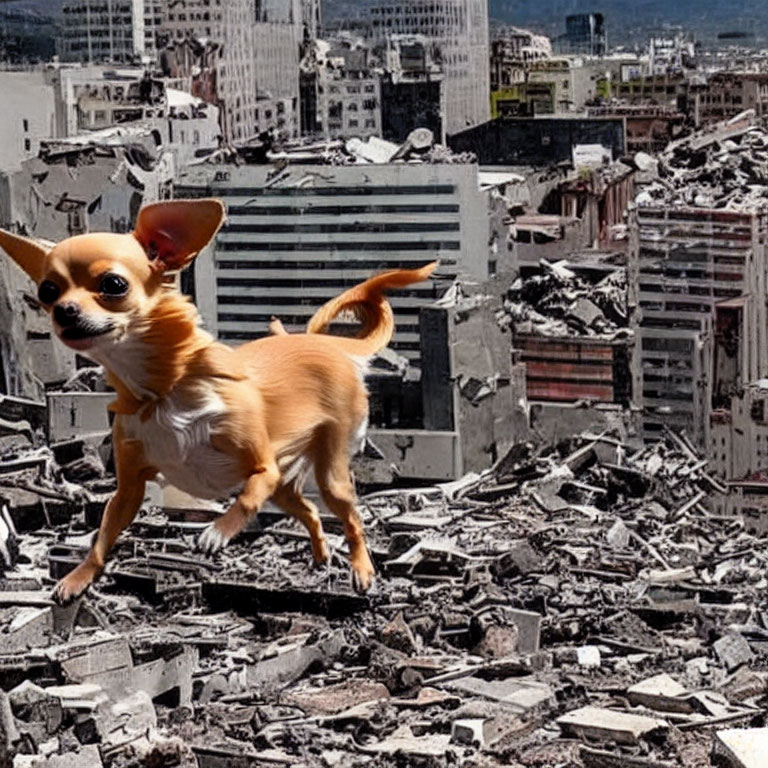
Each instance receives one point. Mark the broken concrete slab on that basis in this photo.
(599, 724)
(402, 741)
(332, 699)
(733, 650)
(285, 662)
(660, 692)
(521, 694)
(742, 747)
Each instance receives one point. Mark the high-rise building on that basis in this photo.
(289, 246)
(257, 71)
(459, 29)
(109, 30)
(585, 33)
(695, 275)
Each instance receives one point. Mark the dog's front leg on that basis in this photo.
(258, 488)
(119, 513)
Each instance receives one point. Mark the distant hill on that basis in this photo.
(703, 17)
(626, 20)
(43, 7)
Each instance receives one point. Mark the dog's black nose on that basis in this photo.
(66, 314)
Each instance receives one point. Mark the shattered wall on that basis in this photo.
(469, 387)
(87, 188)
(75, 189)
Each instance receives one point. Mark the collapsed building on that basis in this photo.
(575, 604)
(78, 185)
(570, 329)
(350, 87)
(697, 263)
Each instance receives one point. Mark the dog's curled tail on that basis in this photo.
(368, 304)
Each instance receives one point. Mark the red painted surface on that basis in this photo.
(567, 369)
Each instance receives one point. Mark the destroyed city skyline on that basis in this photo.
(564, 480)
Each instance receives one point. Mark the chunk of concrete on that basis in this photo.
(402, 741)
(596, 723)
(733, 651)
(588, 656)
(398, 635)
(528, 625)
(498, 642)
(742, 747)
(521, 693)
(332, 699)
(660, 692)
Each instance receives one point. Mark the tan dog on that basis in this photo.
(214, 420)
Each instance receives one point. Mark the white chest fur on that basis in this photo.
(177, 441)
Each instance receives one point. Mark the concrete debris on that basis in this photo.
(598, 724)
(742, 748)
(560, 302)
(723, 167)
(580, 595)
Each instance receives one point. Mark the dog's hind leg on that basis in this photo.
(289, 499)
(335, 483)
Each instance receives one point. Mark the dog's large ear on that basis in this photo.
(27, 253)
(174, 232)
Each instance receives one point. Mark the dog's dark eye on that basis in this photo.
(48, 292)
(113, 285)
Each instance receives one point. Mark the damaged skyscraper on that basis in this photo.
(255, 72)
(459, 29)
(698, 261)
(118, 31)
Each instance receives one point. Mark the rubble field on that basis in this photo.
(576, 605)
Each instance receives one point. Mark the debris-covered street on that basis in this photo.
(573, 606)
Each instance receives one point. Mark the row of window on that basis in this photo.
(338, 210)
(358, 226)
(670, 323)
(297, 319)
(692, 274)
(362, 245)
(317, 267)
(357, 191)
(690, 290)
(314, 301)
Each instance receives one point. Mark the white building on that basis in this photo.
(459, 28)
(109, 30)
(288, 247)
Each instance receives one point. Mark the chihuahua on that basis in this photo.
(215, 421)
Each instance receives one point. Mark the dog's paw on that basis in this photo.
(69, 589)
(362, 579)
(211, 540)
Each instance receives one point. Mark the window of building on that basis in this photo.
(27, 145)
(26, 125)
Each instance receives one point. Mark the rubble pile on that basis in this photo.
(578, 605)
(721, 168)
(559, 302)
